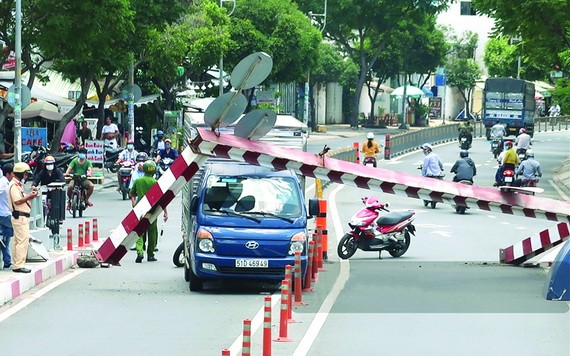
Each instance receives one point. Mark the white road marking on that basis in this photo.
(34, 296)
(441, 233)
(323, 313)
(558, 190)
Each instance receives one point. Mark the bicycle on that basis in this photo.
(78, 196)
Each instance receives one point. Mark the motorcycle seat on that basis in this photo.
(394, 218)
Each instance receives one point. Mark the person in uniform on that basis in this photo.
(20, 205)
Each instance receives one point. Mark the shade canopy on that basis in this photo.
(39, 106)
(410, 91)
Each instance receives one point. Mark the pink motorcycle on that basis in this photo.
(369, 232)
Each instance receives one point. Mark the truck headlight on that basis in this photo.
(297, 243)
(205, 241)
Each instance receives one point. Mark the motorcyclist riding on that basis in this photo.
(529, 169)
(498, 131)
(464, 168)
(158, 143)
(465, 130)
(80, 166)
(167, 152)
(49, 174)
(510, 160)
(370, 148)
(130, 154)
(138, 172)
(522, 141)
(432, 166)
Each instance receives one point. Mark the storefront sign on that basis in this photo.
(435, 107)
(95, 151)
(33, 136)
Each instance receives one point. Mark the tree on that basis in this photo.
(363, 28)
(461, 69)
(500, 58)
(82, 42)
(543, 25)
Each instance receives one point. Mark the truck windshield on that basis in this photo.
(276, 197)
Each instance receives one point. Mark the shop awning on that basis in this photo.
(145, 99)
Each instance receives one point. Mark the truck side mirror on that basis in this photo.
(193, 205)
(313, 207)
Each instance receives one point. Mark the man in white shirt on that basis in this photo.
(5, 216)
(523, 140)
(109, 133)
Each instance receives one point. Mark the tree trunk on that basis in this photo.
(56, 141)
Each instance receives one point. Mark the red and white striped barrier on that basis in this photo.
(311, 165)
(534, 245)
(410, 185)
(152, 204)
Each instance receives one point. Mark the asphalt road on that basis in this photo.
(446, 295)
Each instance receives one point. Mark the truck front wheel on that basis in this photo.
(488, 133)
(196, 284)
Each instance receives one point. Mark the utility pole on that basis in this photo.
(18, 83)
(221, 74)
(307, 83)
(131, 106)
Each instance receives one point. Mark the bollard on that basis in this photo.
(387, 148)
(356, 145)
(69, 240)
(283, 312)
(315, 271)
(95, 230)
(309, 273)
(246, 343)
(226, 352)
(80, 242)
(318, 260)
(297, 284)
(289, 278)
(320, 252)
(321, 225)
(87, 233)
(267, 327)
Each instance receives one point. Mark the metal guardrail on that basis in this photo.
(555, 123)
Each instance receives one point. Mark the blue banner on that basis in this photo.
(33, 136)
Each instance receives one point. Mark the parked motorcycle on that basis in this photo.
(111, 156)
(369, 232)
(162, 166)
(369, 161)
(125, 173)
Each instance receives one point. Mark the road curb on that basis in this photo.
(19, 283)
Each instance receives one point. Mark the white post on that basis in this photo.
(18, 82)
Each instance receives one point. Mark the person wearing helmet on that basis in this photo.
(20, 205)
(138, 172)
(529, 169)
(109, 133)
(80, 166)
(128, 155)
(508, 159)
(370, 148)
(465, 130)
(158, 143)
(498, 132)
(464, 168)
(49, 174)
(137, 192)
(167, 152)
(431, 166)
(522, 141)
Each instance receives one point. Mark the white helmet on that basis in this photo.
(370, 136)
(529, 153)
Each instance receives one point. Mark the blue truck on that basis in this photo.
(511, 102)
(243, 221)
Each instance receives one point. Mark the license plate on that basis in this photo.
(252, 263)
(508, 179)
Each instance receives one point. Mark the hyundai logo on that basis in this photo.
(252, 245)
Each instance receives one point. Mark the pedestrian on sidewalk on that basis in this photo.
(20, 204)
(140, 187)
(6, 216)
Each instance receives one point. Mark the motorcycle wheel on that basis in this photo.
(178, 257)
(433, 204)
(346, 247)
(495, 155)
(74, 205)
(426, 203)
(124, 191)
(195, 284)
(186, 273)
(81, 207)
(460, 209)
(399, 251)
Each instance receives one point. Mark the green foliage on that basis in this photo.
(462, 73)
(543, 25)
(330, 65)
(561, 95)
(279, 29)
(500, 58)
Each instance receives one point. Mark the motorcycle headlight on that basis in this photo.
(205, 241)
(297, 243)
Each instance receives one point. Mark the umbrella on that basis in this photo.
(410, 91)
(39, 106)
(427, 92)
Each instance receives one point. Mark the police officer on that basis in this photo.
(20, 205)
